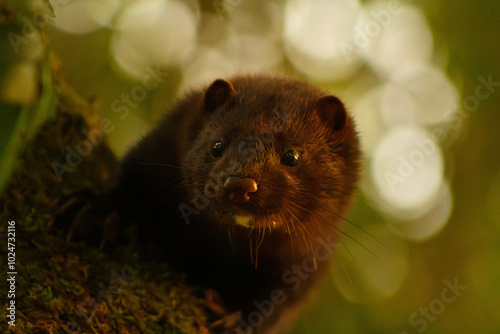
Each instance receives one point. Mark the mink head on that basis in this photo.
(272, 153)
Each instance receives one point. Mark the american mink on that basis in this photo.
(242, 186)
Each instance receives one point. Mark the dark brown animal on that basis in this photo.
(243, 187)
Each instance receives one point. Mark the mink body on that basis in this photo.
(242, 186)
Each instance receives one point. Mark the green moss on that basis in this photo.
(65, 287)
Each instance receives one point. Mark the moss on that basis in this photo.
(65, 287)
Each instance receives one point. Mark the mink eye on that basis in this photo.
(218, 149)
(290, 158)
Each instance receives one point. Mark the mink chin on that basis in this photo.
(239, 185)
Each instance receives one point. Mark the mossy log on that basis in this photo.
(66, 287)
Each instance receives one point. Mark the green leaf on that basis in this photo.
(18, 124)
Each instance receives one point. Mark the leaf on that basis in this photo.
(19, 123)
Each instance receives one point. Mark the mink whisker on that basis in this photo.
(356, 226)
(346, 273)
(315, 226)
(182, 168)
(335, 229)
(300, 225)
(352, 238)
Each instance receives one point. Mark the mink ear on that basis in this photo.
(332, 111)
(218, 94)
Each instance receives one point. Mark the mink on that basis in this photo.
(243, 187)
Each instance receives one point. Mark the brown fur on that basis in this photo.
(170, 196)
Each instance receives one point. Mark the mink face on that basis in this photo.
(273, 156)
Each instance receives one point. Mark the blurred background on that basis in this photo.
(422, 79)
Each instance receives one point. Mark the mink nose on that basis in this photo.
(240, 188)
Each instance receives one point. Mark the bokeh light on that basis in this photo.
(417, 94)
(370, 125)
(253, 41)
(423, 225)
(20, 84)
(85, 16)
(208, 64)
(403, 36)
(407, 169)
(248, 58)
(153, 32)
(315, 33)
